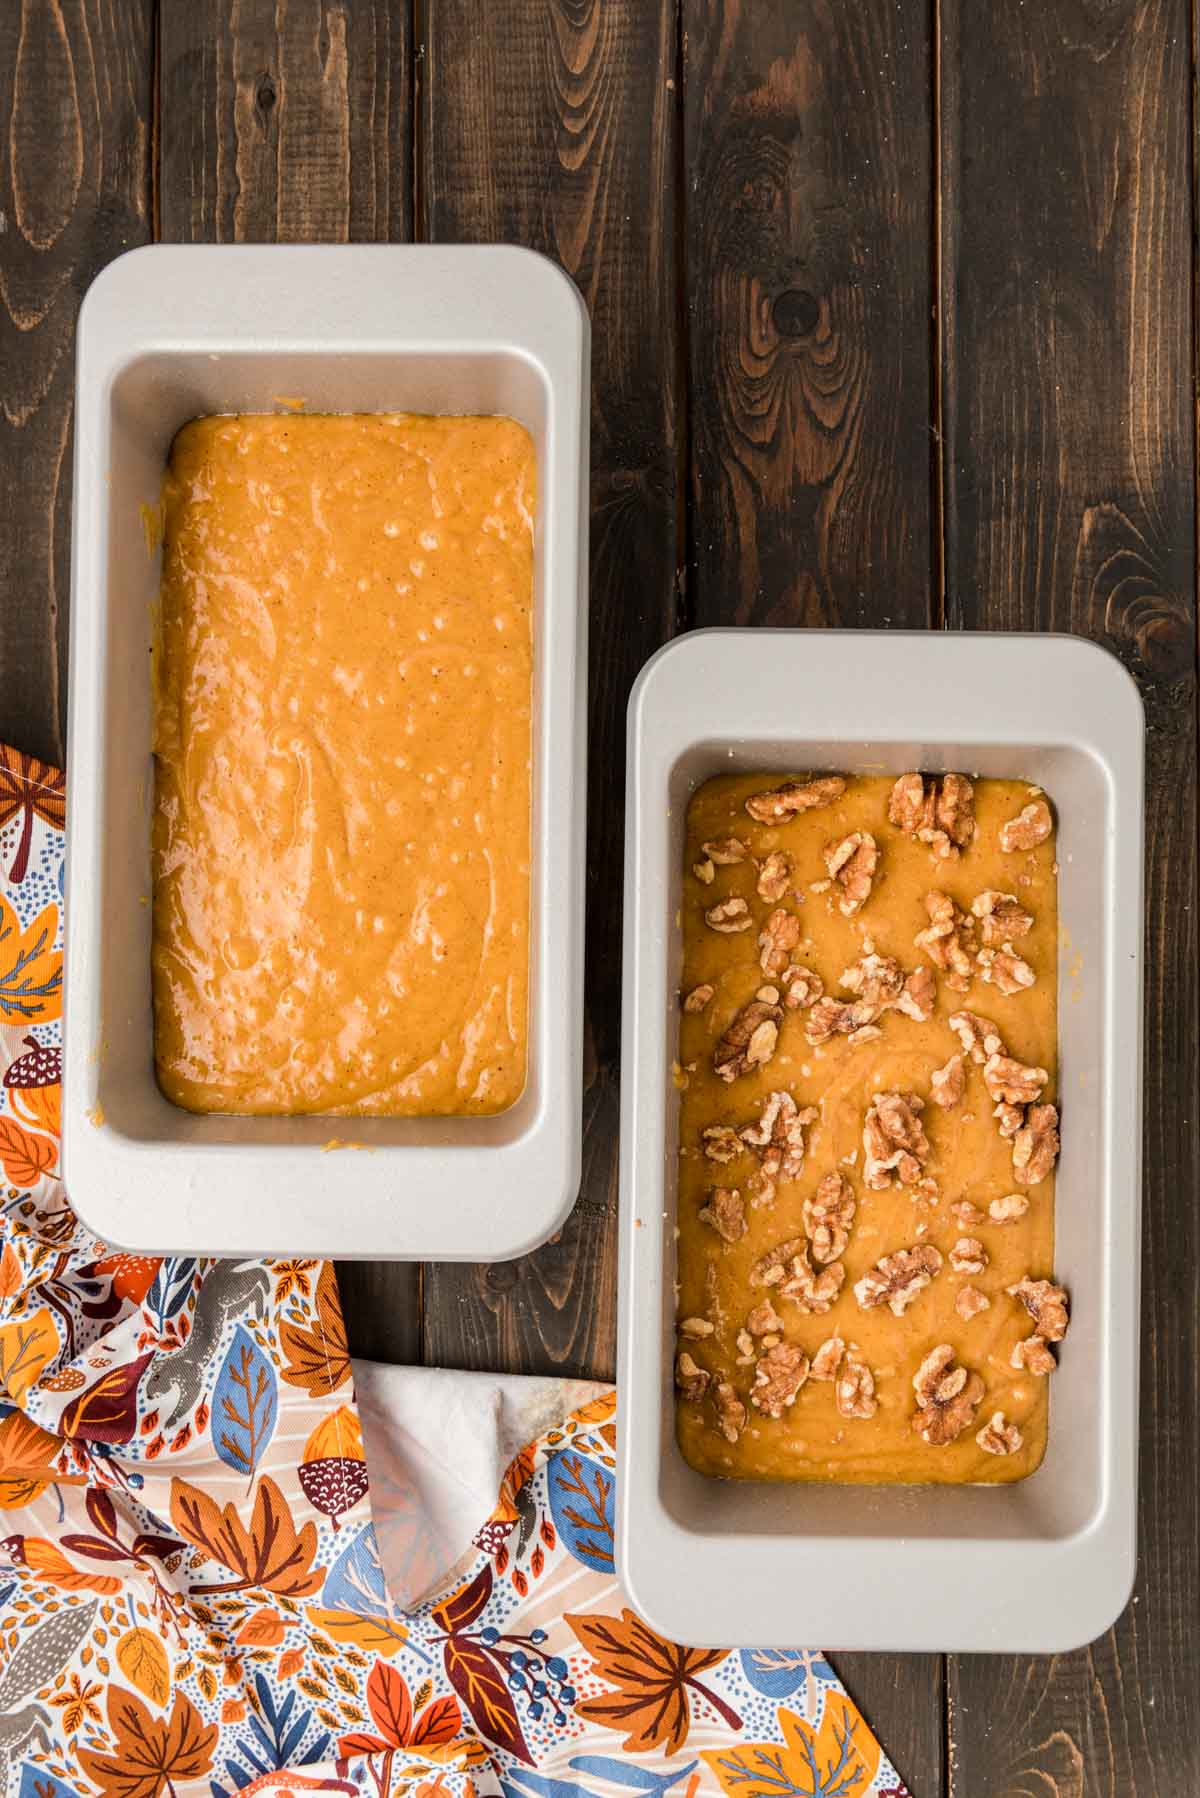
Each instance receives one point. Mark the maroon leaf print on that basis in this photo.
(107, 1411)
(28, 787)
(463, 1606)
(480, 1684)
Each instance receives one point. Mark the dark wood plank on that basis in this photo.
(290, 121)
(551, 123)
(808, 146)
(75, 182)
(1069, 506)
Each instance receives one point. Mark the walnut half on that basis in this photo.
(854, 1387)
(936, 809)
(897, 1279)
(828, 1216)
(852, 864)
(794, 797)
(895, 1147)
(947, 1397)
(1029, 828)
(750, 1037)
(780, 1374)
(997, 1437)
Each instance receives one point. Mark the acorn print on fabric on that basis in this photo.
(333, 1473)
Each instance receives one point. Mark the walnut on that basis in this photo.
(949, 942)
(780, 1374)
(814, 1293)
(690, 1380)
(1008, 1209)
(697, 1328)
(917, 997)
(780, 935)
(721, 1143)
(968, 1256)
(1029, 828)
(947, 1397)
(1011, 1082)
(937, 810)
(966, 1214)
(725, 1213)
(751, 1036)
(828, 1216)
(970, 1302)
(852, 864)
(731, 1412)
(830, 1017)
(801, 987)
(1001, 918)
(979, 1037)
(778, 1136)
(763, 1319)
(827, 1359)
(773, 876)
(1009, 1118)
(877, 980)
(1033, 1356)
(705, 872)
(725, 851)
(1005, 970)
(1046, 1303)
(730, 916)
(898, 1278)
(770, 1268)
(998, 1437)
(699, 997)
(947, 1085)
(745, 1349)
(854, 1388)
(895, 1146)
(1036, 1145)
(794, 797)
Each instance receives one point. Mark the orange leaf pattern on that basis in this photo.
(184, 1616)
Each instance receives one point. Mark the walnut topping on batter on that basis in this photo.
(917, 996)
(779, 937)
(725, 851)
(731, 1412)
(751, 1037)
(1004, 969)
(1009, 1119)
(998, 1437)
(877, 980)
(831, 1017)
(898, 1278)
(763, 1320)
(936, 809)
(725, 1212)
(1007, 1210)
(1029, 828)
(947, 1397)
(968, 1256)
(705, 872)
(1046, 1303)
(966, 1214)
(773, 876)
(1001, 918)
(852, 864)
(697, 1328)
(1011, 1082)
(778, 1136)
(1036, 1145)
(895, 1146)
(813, 1292)
(721, 1143)
(770, 1268)
(1033, 1356)
(690, 1380)
(970, 1302)
(854, 1388)
(827, 1359)
(793, 797)
(780, 1374)
(947, 1085)
(950, 941)
(801, 987)
(699, 997)
(979, 1037)
(828, 1217)
(730, 916)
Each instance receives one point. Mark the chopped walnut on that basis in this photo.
(699, 997)
(1046, 1303)
(1008, 1209)
(725, 1212)
(998, 1437)
(854, 1388)
(918, 995)
(1001, 918)
(949, 942)
(1035, 1145)
(895, 1146)
(979, 1037)
(750, 1038)
(813, 1292)
(827, 1359)
(779, 937)
(970, 1302)
(780, 1374)
(937, 810)
(801, 987)
(763, 1319)
(794, 797)
(773, 876)
(725, 851)
(828, 1216)
(691, 1380)
(721, 1143)
(876, 979)
(770, 1268)
(731, 1412)
(968, 1256)
(852, 864)
(1029, 828)
(1009, 1118)
(1011, 1082)
(778, 1136)
(947, 1085)
(947, 1397)
(697, 1328)
(1005, 970)
(1033, 1356)
(966, 1214)
(830, 1017)
(705, 872)
(898, 1278)
(730, 916)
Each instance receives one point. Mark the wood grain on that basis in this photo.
(1069, 505)
(551, 123)
(75, 104)
(290, 121)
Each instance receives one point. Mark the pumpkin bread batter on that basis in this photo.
(342, 742)
(868, 1129)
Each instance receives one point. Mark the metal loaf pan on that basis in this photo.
(1039, 1566)
(169, 333)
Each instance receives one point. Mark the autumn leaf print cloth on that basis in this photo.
(193, 1596)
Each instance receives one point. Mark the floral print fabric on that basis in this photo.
(191, 1597)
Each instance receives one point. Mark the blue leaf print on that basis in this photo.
(581, 1495)
(780, 1672)
(245, 1404)
(627, 1773)
(37, 1783)
(355, 1580)
(169, 1291)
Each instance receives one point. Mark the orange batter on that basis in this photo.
(342, 743)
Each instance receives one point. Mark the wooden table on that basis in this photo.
(893, 325)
